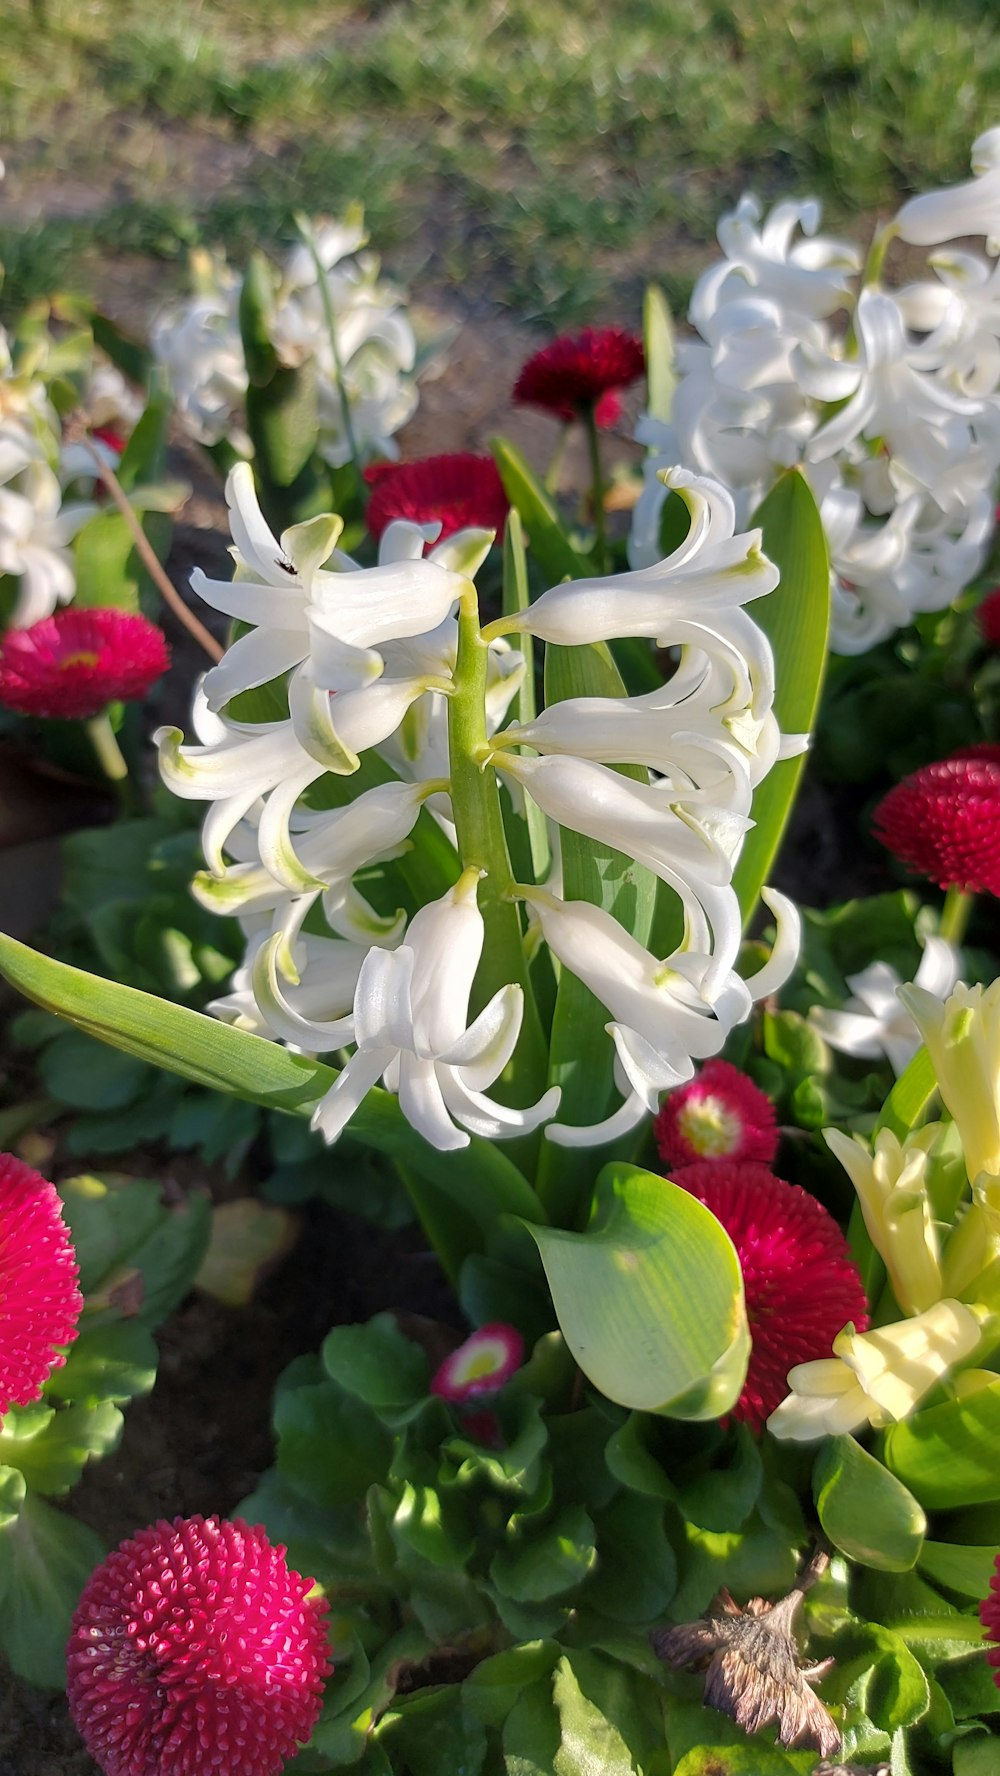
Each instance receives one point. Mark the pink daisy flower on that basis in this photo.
(579, 371)
(801, 1284)
(461, 491)
(481, 1366)
(719, 1115)
(195, 1648)
(944, 820)
(73, 664)
(988, 618)
(40, 1301)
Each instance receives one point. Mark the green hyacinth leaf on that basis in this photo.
(796, 620)
(650, 1298)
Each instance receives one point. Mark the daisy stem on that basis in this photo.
(482, 844)
(955, 914)
(554, 469)
(101, 735)
(597, 488)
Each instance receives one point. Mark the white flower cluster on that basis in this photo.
(199, 346)
(890, 398)
(371, 655)
(37, 469)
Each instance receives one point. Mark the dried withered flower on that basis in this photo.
(825, 1769)
(754, 1674)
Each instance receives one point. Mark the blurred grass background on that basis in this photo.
(546, 156)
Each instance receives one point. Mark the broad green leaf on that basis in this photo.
(123, 1232)
(897, 1694)
(866, 1512)
(114, 1362)
(531, 1733)
(434, 1733)
(624, 1292)
(376, 1363)
(46, 1559)
(491, 1690)
(12, 1494)
(722, 1497)
(546, 538)
(636, 1572)
(217, 1055)
(795, 618)
(589, 1742)
(658, 336)
(331, 1448)
(56, 1448)
(581, 1053)
(549, 1561)
(949, 1455)
(977, 1755)
(959, 1568)
(144, 459)
(516, 597)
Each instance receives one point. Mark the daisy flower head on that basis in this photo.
(40, 1300)
(943, 821)
(194, 1647)
(719, 1115)
(460, 491)
(988, 618)
(481, 1366)
(801, 1285)
(582, 372)
(989, 1615)
(72, 665)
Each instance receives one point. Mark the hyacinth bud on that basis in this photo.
(194, 1647)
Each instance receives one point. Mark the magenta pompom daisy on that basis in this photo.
(581, 372)
(72, 665)
(458, 491)
(801, 1284)
(194, 1647)
(40, 1300)
(481, 1366)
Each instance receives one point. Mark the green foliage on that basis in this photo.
(864, 1510)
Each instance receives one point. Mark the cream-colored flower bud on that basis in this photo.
(963, 1040)
(891, 1186)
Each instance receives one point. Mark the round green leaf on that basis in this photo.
(866, 1512)
(949, 1455)
(650, 1298)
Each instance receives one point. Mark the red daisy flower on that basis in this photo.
(988, 618)
(195, 1648)
(580, 371)
(40, 1302)
(719, 1115)
(75, 663)
(801, 1284)
(944, 820)
(461, 491)
(989, 1615)
(482, 1365)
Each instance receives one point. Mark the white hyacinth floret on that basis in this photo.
(388, 721)
(889, 397)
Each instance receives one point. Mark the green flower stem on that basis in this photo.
(482, 845)
(323, 285)
(554, 469)
(955, 915)
(597, 488)
(101, 735)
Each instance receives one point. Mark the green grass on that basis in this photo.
(546, 154)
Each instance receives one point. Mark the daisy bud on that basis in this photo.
(719, 1115)
(481, 1366)
(40, 1301)
(194, 1647)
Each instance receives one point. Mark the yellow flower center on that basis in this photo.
(709, 1127)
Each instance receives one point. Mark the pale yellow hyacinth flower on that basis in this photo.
(876, 1377)
(963, 1041)
(891, 1186)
